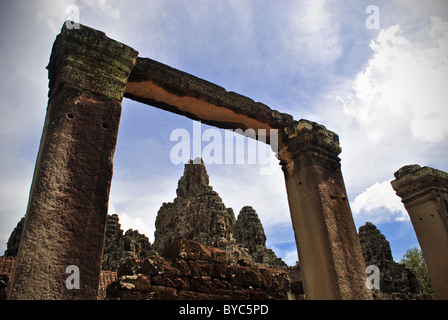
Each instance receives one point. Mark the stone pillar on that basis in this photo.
(67, 208)
(424, 193)
(328, 246)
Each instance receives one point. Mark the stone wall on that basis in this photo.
(188, 270)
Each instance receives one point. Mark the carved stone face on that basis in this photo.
(260, 238)
(221, 227)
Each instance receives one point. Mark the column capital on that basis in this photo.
(413, 182)
(87, 59)
(424, 193)
(310, 138)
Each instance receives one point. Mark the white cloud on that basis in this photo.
(290, 257)
(379, 196)
(391, 113)
(390, 110)
(14, 198)
(52, 13)
(137, 202)
(241, 185)
(104, 7)
(403, 87)
(394, 111)
(243, 12)
(131, 222)
(310, 31)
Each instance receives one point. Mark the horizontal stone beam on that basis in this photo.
(161, 86)
(328, 245)
(64, 226)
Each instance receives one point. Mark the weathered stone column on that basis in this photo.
(67, 208)
(328, 246)
(424, 193)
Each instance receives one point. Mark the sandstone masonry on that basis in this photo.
(424, 193)
(187, 270)
(67, 209)
(65, 221)
(198, 214)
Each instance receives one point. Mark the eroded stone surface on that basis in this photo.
(332, 264)
(397, 282)
(87, 59)
(119, 246)
(199, 214)
(249, 232)
(192, 271)
(424, 193)
(66, 214)
(77, 93)
(164, 87)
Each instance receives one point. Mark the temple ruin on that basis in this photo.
(424, 193)
(202, 251)
(89, 74)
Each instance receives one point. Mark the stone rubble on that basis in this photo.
(201, 251)
(187, 270)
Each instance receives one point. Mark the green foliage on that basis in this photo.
(413, 259)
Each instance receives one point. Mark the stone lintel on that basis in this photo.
(68, 202)
(161, 86)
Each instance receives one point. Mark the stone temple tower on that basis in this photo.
(199, 214)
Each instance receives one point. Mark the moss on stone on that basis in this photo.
(87, 59)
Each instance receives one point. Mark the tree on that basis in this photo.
(413, 259)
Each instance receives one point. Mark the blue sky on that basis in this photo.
(383, 91)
